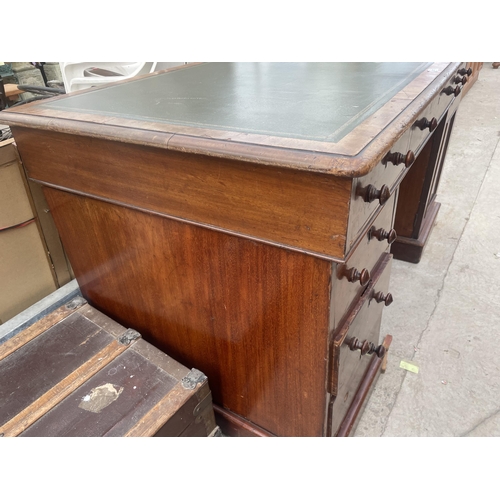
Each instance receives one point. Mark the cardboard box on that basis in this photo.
(15, 206)
(32, 261)
(25, 272)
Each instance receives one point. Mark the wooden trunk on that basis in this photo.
(77, 373)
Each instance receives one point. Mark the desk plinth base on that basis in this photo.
(411, 249)
(233, 425)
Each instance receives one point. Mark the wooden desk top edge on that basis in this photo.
(353, 156)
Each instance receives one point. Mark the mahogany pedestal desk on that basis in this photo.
(240, 216)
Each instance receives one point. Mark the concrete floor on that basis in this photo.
(446, 312)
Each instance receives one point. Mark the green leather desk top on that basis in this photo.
(339, 119)
(313, 101)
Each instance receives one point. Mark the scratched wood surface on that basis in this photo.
(130, 374)
(30, 363)
(75, 377)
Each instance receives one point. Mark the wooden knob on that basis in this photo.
(425, 123)
(463, 71)
(462, 80)
(450, 90)
(354, 275)
(366, 347)
(382, 234)
(398, 158)
(387, 298)
(371, 193)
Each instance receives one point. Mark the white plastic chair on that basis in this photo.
(74, 78)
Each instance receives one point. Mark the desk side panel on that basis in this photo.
(252, 317)
(302, 210)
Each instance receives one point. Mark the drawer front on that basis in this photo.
(348, 366)
(384, 174)
(429, 118)
(424, 125)
(363, 259)
(445, 99)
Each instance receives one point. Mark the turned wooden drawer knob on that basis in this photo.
(464, 71)
(425, 123)
(450, 90)
(462, 80)
(371, 193)
(382, 234)
(386, 298)
(398, 158)
(366, 347)
(354, 275)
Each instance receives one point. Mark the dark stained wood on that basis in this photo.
(41, 352)
(396, 158)
(307, 211)
(411, 199)
(126, 372)
(50, 367)
(411, 249)
(127, 388)
(210, 300)
(61, 390)
(436, 175)
(417, 209)
(34, 330)
(193, 418)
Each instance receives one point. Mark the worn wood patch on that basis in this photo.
(110, 402)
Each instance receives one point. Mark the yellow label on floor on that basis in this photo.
(406, 365)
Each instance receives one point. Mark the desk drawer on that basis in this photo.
(363, 259)
(383, 178)
(429, 118)
(451, 90)
(348, 366)
(424, 125)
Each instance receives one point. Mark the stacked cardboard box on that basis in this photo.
(27, 270)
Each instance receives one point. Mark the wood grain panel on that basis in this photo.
(252, 317)
(298, 209)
